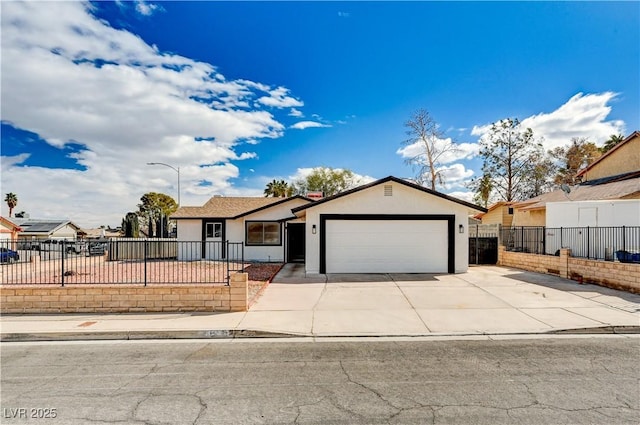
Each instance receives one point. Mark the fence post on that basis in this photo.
(62, 263)
(561, 244)
(544, 239)
(624, 239)
(146, 243)
(588, 243)
(226, 247)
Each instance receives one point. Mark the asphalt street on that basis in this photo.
(555, 380)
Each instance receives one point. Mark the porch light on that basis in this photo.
(313, 229)
(461, 228)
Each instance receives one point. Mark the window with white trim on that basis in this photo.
(263, 233)
(214, 230)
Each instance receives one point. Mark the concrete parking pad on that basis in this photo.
(608, 315)
(455, 298)
(368, 322)
(365, 297)
(559, 318)
(534, 296)
(480, 320)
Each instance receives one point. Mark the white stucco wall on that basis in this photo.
(264, 253)
(191, 230)
(593, 213)
(405, 200)
(190, 236)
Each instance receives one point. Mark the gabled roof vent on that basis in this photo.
(388, 190)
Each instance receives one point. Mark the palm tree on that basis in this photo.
(278, 189)
(613, 140)
(483, 190)
(12, 200)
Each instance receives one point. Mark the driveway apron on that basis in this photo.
(485, 300)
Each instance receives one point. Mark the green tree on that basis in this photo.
(511, 156)
(427, 148)
(329, 181)
(573, 158)
(12, 201)
(154, 211)
(613, 140)
(278, 189)
(131, 225)
(483, 191)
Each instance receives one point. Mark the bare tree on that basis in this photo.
(430, 147)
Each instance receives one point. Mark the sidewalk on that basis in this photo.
(487, 300)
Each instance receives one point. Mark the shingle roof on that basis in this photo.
(616, 190)
(229, 207)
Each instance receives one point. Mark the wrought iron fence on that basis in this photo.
(599, 243)
(135, 261)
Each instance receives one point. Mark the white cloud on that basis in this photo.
(581, 116)
(308, 124)
(455, 174)
(465, 196)
(295, 113)
(146, 9)
(464, 150)
(75, 78)
(280, 98)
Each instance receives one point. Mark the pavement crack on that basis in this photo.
(377, 393)
(315, 306)
(203, 408)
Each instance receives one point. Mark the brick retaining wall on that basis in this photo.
(611, 274)
(39, 299)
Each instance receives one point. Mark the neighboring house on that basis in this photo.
(100, 233)
(622, 159)
(614, 213)
(532, 212)
(613, 176)
(259, 223)
(8, 233)
(388, 226)
(498, 213)
(39, 230)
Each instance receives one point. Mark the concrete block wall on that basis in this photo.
(611, 274)
(44, 299)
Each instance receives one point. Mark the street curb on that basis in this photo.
(139, 335)
(245, 333)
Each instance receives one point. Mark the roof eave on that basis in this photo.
(390, 179)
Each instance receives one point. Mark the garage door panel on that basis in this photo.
(386, 246)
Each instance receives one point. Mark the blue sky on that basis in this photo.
(239, 93)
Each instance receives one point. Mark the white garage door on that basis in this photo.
(386, 246)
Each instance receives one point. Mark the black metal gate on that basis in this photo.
(483, 250)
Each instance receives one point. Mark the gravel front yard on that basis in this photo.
(259, 276)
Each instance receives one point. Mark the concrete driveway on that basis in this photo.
(485, 300)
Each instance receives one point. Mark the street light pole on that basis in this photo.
(177, 170)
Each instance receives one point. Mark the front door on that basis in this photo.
(295, 242)
(213, 241)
